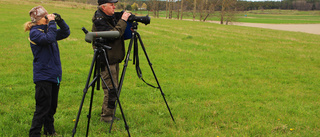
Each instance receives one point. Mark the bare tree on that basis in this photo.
(210, 7)
(227, 7)
(202, 7)
(181, 10)
(178, 9)
(155, 8)
(194, 9)
(207, 10)
(171, 8)
(222, 12)
(167, 8)
(302, 5)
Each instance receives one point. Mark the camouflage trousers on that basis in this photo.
(110, 97)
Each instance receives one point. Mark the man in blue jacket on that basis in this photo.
(47, 70)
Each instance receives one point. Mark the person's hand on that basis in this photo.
(125, 16)
(57, 17)
(50, 17)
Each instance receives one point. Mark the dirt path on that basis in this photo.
(307, 28)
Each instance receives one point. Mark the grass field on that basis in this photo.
(257, 16)
(219, 80)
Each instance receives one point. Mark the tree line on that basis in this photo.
(204, 8)
(241, 5)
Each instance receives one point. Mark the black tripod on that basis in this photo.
(134, 40)
(99, 55)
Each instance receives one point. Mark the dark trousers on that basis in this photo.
(46, 104)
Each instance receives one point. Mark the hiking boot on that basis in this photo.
(108, 119)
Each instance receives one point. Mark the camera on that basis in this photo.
(143, 19)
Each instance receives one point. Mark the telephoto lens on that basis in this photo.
(143, 19)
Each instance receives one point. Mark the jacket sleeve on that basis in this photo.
(101, 25)
(41, 38)
(121, 26)
(64, 30)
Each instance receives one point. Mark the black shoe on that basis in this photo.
(116, 119)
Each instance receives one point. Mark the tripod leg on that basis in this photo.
(154, 74)
(85, 92)
(118, 100)
(125, 65)
(96, 79)
(90, 106)
(122, 77)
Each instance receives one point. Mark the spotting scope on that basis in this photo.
(103, 34)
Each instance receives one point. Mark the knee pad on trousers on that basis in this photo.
(112, 98)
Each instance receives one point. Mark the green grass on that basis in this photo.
(219, 80)
(280, 17)
(256, 16)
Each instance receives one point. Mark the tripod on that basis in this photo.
(134, 40)
(99, 55)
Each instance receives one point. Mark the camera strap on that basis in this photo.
(136, 62)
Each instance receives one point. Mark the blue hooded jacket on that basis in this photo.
(43, 41)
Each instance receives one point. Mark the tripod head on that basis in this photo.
(134, 26)
(99, 44)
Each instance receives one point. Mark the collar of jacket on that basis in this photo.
(42, 28)
(104, 14)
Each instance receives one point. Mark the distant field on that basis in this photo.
(281, 17)
(256, 16)
(266, 16)
(219, 80)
